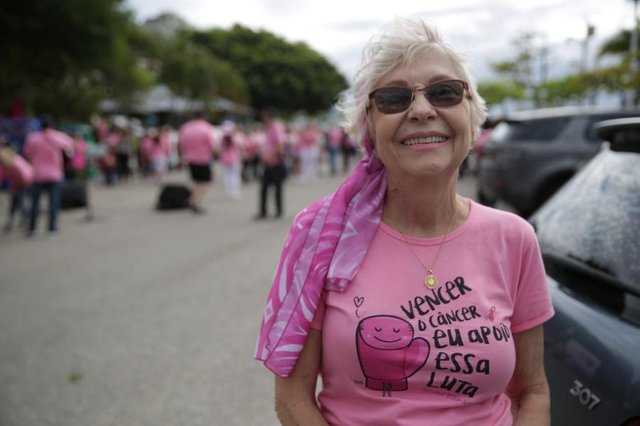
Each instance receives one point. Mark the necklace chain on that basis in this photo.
(430, 280)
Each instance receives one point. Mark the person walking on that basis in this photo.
(19, 175)
(44, 150)
(79, 161)
(159, 153)
(197, 143)
(333, 145)
(309, 139)
(230, 158)
(274, 169)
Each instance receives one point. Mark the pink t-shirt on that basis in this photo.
(44, 151)
(197, 142)
(395, 352)
(276, 135)
(159, 150)
(146, 144)
(79, 159)
(310, 138)
(230, 155)
(19, 174)
(335, 136)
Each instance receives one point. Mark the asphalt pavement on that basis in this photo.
(131, 316)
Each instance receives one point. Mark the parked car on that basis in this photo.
(533, 153)
(589, 234)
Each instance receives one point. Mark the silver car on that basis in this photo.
(531, 154)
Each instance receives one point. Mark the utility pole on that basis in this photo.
(633, 65)
(591, 30)
(544, 59)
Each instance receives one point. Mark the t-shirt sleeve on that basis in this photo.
(533, 303)
(318, 318)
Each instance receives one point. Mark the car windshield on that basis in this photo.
(595, 219)
(541, 129)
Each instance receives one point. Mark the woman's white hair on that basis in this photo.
(402, 42)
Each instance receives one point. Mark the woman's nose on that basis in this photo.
(421, 108)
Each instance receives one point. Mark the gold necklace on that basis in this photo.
(430, 280)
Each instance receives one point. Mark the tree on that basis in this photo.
(495, 92)
(618, 45)
(60, 55)
(192, 71)
(520, 70)
(278, 74)
(618, 78)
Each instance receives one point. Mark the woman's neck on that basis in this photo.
(424, 208)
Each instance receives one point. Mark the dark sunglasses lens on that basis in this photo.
(392, 100)
(447, 93)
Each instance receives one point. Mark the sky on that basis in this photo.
(484, 30)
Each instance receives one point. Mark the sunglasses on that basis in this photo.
(394, 100)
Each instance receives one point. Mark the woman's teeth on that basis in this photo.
(427, 140)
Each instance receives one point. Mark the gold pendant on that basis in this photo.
(430, 281)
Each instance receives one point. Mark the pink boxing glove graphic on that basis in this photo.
(388, 353)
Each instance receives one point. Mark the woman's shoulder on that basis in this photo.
(492, 220)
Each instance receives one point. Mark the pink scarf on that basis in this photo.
(324, 249)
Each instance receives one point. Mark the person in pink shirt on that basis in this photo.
(230, 159)
(44, 150)
(250, 155)
(158, 153)
(414, 304)
(274, 169)
(19, 175)
(144, 152)
(333, 145)
(197, 143)
(79, 158)
(309, 152)
(108, 159)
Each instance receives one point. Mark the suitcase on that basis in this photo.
(173, 197)
(73, 195)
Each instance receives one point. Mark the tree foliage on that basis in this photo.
(53, 51)
(518, 83)
(494, 92)
(616, 45)
(520, 68)
(192, 71)
(63, 57)
(285, 76)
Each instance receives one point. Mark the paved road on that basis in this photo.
(142, 318)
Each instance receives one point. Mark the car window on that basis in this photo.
(595, 219)
(541, 129)
(590, 134)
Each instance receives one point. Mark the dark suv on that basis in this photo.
(589, 234)
(533, 153)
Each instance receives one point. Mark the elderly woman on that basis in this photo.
(414, 304)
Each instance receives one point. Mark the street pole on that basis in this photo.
(634, 65)
(585, 47)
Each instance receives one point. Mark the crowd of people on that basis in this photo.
(115, 151)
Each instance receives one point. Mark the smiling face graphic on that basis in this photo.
(386, 332)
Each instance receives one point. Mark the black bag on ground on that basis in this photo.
(173, 196)
(73, 195)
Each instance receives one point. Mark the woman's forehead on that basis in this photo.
(425, 69)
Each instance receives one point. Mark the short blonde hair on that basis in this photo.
(403, 41)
